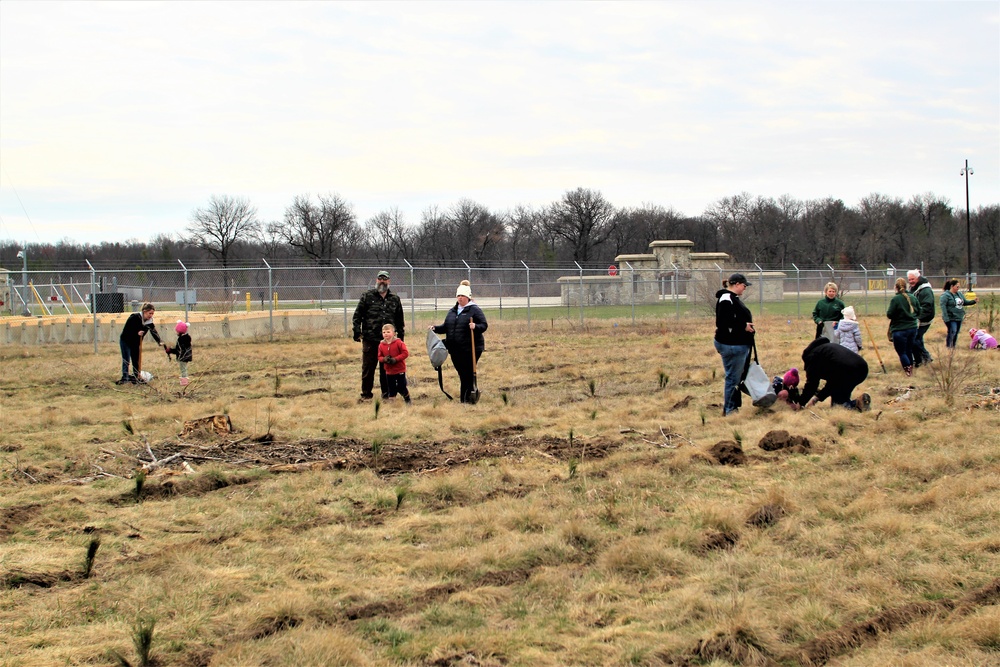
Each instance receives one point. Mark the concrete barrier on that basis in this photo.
(30, 331)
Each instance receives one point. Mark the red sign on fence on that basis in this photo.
(612, 270)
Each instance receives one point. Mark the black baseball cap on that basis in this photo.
(739, 278)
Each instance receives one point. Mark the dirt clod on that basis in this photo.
(728, 453)
(775, 440)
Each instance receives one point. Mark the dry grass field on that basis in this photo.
(580, 514)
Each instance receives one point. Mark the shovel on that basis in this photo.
(474, 392)
(875, 347)
(138, 366)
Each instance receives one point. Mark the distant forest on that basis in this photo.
(581, 227)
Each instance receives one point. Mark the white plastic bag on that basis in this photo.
(759, 386)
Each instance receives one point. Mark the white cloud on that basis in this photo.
(129, 109)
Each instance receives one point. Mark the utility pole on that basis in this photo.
(968, 227)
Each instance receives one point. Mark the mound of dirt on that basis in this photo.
(728, 453)
(775, 440)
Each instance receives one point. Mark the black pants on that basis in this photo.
(396, 384)
(920, 353)
(462, 360)
(369, 360)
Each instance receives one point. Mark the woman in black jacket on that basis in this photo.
(463, 327)
(135, 328)
(733, 338)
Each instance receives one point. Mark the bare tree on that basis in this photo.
(584, 219)
(321, 230)
(225, 222)
(388, 237)
(883, 230)
(824, 228)
(636, 228)
(522, 225)
(475, 232)
(730, 217)
(985, 223)
(431, 237)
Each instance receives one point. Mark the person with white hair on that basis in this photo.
(921, 288)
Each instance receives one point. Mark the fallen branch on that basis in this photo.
(149, 467)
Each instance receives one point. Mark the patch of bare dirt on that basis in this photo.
(716, 540)
(12, 517)
(766, 515)
(21, 578)
(728, 453)
(683, 403)
(775, 440)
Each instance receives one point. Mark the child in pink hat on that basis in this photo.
(182, 349)
(787, 386)
(981, 340)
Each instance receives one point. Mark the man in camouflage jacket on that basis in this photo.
(377, 307)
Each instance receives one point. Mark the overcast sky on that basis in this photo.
(118, 119)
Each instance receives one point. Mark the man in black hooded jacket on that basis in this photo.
(841, 368)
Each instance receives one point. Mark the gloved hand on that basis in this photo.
(357, 338)
(389, 361)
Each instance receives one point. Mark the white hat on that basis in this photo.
(849, 314)
(464, 290)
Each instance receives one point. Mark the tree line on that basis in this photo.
(582, 226)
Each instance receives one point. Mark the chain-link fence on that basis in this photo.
(631, 289)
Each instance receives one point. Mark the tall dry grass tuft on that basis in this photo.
(952, 369)
(142, 640)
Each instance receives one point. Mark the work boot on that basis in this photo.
(864, 403)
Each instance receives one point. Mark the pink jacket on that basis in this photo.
(982, 339)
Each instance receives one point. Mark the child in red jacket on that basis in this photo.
(392, 353)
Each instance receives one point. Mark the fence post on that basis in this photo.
(632, 291)
(527, 283)
(413, 313)
(270, 301)
(93, 297)
(886, 292)
(866, 288)
(798, 290)
(343, 293)
(186, 318)
(673, 290)
(581, 291)
(760, 280)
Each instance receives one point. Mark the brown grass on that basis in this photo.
(587, 520)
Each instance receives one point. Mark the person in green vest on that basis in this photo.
(828, 309)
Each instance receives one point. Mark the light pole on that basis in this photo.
(968, 226)
(23, 255)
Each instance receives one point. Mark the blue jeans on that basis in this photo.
(952, 337)
(130, 356)
(903, 342)
(734, 360)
